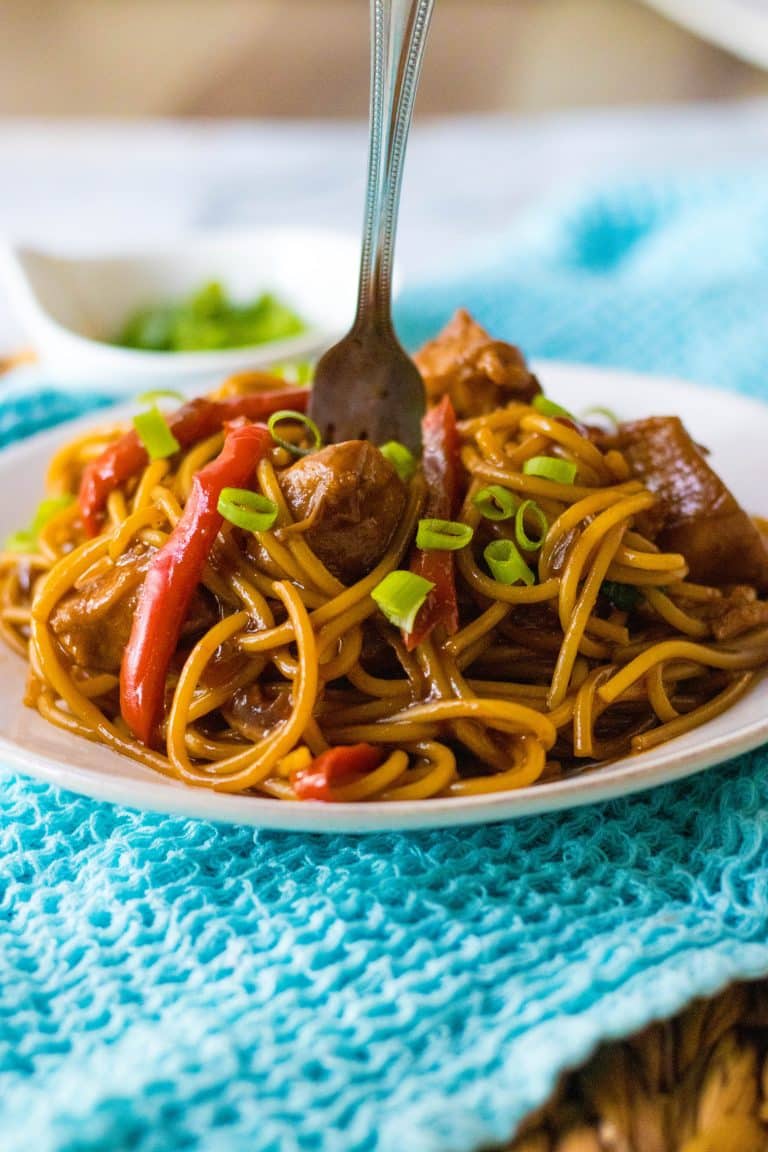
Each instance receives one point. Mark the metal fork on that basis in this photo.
(366, 387)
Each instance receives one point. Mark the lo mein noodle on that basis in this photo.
(241, 608)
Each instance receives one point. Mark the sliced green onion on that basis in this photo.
(209, 320)
(21, 541)
(548, 407)
(495, 502)
(625, 597)
(304, 372)
(296, 418)
(400, 458)
(598, 410)
(530, 543)
(156, 394)
(155, 434)
(443, 535)
(506, 564)
(551, 468)
(249, 510)
(50, 507)
(26, 539)
(298, 372)
(400, 595)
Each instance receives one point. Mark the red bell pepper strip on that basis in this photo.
(190, 424)
(440, 463)
(331, 767)
(173, 575)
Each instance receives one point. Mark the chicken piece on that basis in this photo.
(694, 514)
(353, 499)
(93, 624)
(735, 611)
(478, 373)
(743, 618)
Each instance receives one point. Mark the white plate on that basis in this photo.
(736, 429)
(72, 305)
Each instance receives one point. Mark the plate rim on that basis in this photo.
(625, 777)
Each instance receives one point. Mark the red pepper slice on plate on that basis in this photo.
(440, 463)
(190, 424)
(331, 767)
(173, 575)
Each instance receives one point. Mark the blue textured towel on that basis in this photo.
(168, 984)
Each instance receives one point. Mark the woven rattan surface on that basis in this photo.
(697, 1083)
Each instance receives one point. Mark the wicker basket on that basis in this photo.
(697, 1083)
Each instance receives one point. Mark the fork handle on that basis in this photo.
(398, 37)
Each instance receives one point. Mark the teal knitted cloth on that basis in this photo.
(169, 984)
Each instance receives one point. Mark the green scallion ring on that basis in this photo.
(607, 414)
(155, 434)
(156, 394)
(551, 468)
(26, 539)
(22, 541)
(548, 407)
(506, 564)
(401, 459)
(296, 371)
(495, 502)
(49, 507)
(248, 510)
(442, 535)
(400, 595)
(296, 418)
(530, 543)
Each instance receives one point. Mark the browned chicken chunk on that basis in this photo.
(93, 624)
(353, 500)
(695, 514)
(743, 618)
(478, 373)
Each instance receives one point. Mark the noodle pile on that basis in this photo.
(538, 680)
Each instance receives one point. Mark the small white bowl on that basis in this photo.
(71, 306)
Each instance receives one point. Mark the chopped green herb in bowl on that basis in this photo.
(210, 320)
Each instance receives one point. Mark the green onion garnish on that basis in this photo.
(156, 394)
(400, 458)
(506, 564)
(607, 413)
(625, 597)
(210, 320)
(442, 535)
(49, 507)
(297, 371)
(155, 434)
(495, 502)
(295, 418)
(530, 543)
(550, 468)
(26, 539)
(249, 510)
(400, 595)
(548, 407)
(21, 541)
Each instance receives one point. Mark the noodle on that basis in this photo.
(281, 662)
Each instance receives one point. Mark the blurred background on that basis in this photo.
(299, 58)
